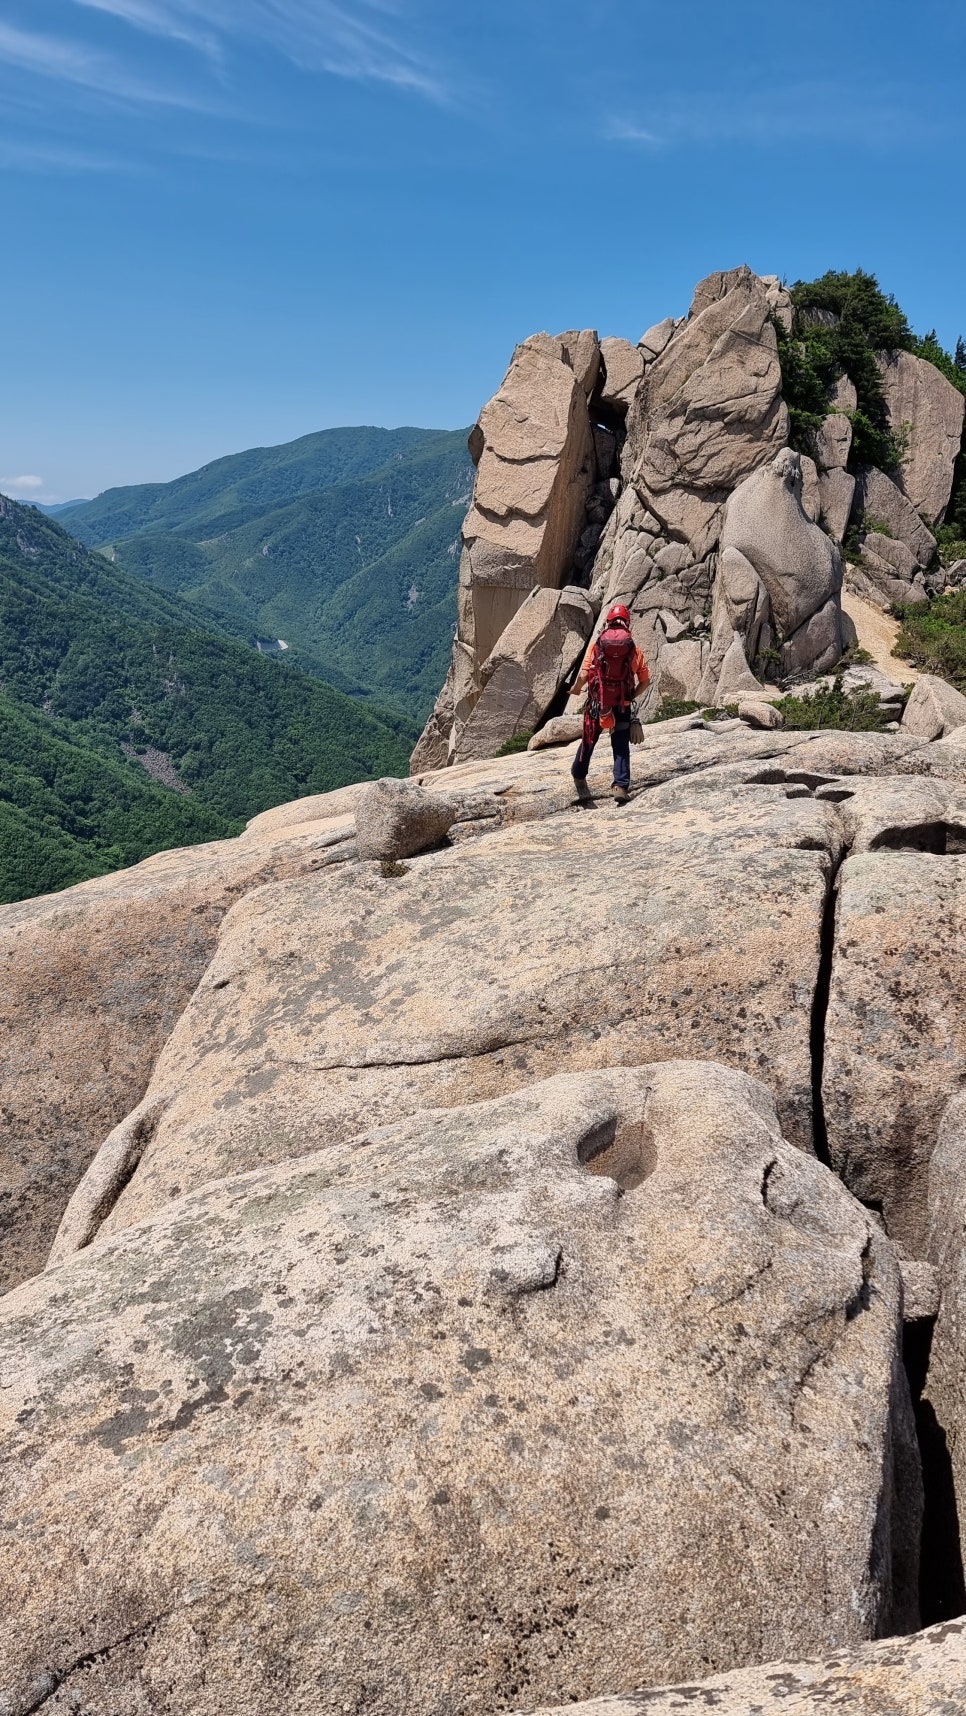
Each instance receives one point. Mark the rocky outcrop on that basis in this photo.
(880, 503)
(471, 1370)
(709, 410)
(934, 709)
(778, 585)
(534, 497)
(918, 1676)
(925, 413)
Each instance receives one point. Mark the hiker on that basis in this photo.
(613, 672)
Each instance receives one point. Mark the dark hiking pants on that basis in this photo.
(620, 740)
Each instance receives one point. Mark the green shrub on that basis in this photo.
(519, 742)
(671, 709)
(836, 708)
(933, 636)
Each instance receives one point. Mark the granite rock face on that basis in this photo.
(945, 1386)
(435, 1418)
(461, 980)
(895, 1043)
(710, 409)
(779, 578)
(926, 412)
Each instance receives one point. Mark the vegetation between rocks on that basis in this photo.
(836, 708)
(933, 636)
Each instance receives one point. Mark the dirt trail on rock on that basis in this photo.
(877, 632)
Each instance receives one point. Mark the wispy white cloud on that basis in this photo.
(623, 131)
(72, 62)
(21, 485)
(365, 40)
(805, 112)
(157, 20)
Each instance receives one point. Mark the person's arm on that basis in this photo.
(580, 683)
(641, 673)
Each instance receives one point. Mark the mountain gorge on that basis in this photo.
(343, 544)
(129, 722)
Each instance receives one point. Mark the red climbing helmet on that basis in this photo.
(618, 615)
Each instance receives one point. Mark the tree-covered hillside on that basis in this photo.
(344, 544)
(104, 669)
(68, 812)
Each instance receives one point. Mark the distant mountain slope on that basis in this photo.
(344, 544)
(97, 660)
(68, 813)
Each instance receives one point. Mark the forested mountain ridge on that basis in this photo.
(98, 669)
(343, 544)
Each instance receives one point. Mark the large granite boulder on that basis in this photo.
(923, 1675)
(934, 709)
(589, 1386)
(539, 648)
(536, 469)
(623, 368)
(926, 412)
(709, 410)
(779, 577)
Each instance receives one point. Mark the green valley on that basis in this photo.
(343, 544)
(98, 670)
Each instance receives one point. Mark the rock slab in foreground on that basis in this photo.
(924, 1675)
(349, 1001)
(591, 1386)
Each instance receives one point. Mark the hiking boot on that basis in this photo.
(583, 792)
(620, 794)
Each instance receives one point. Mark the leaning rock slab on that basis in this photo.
(595, 1385)
(881, 502)
(924, 1675)
(542, 643)
(779, 569)
(397, 819)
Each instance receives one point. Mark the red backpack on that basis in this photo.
(612, 668)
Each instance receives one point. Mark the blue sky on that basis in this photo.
(230, 222)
